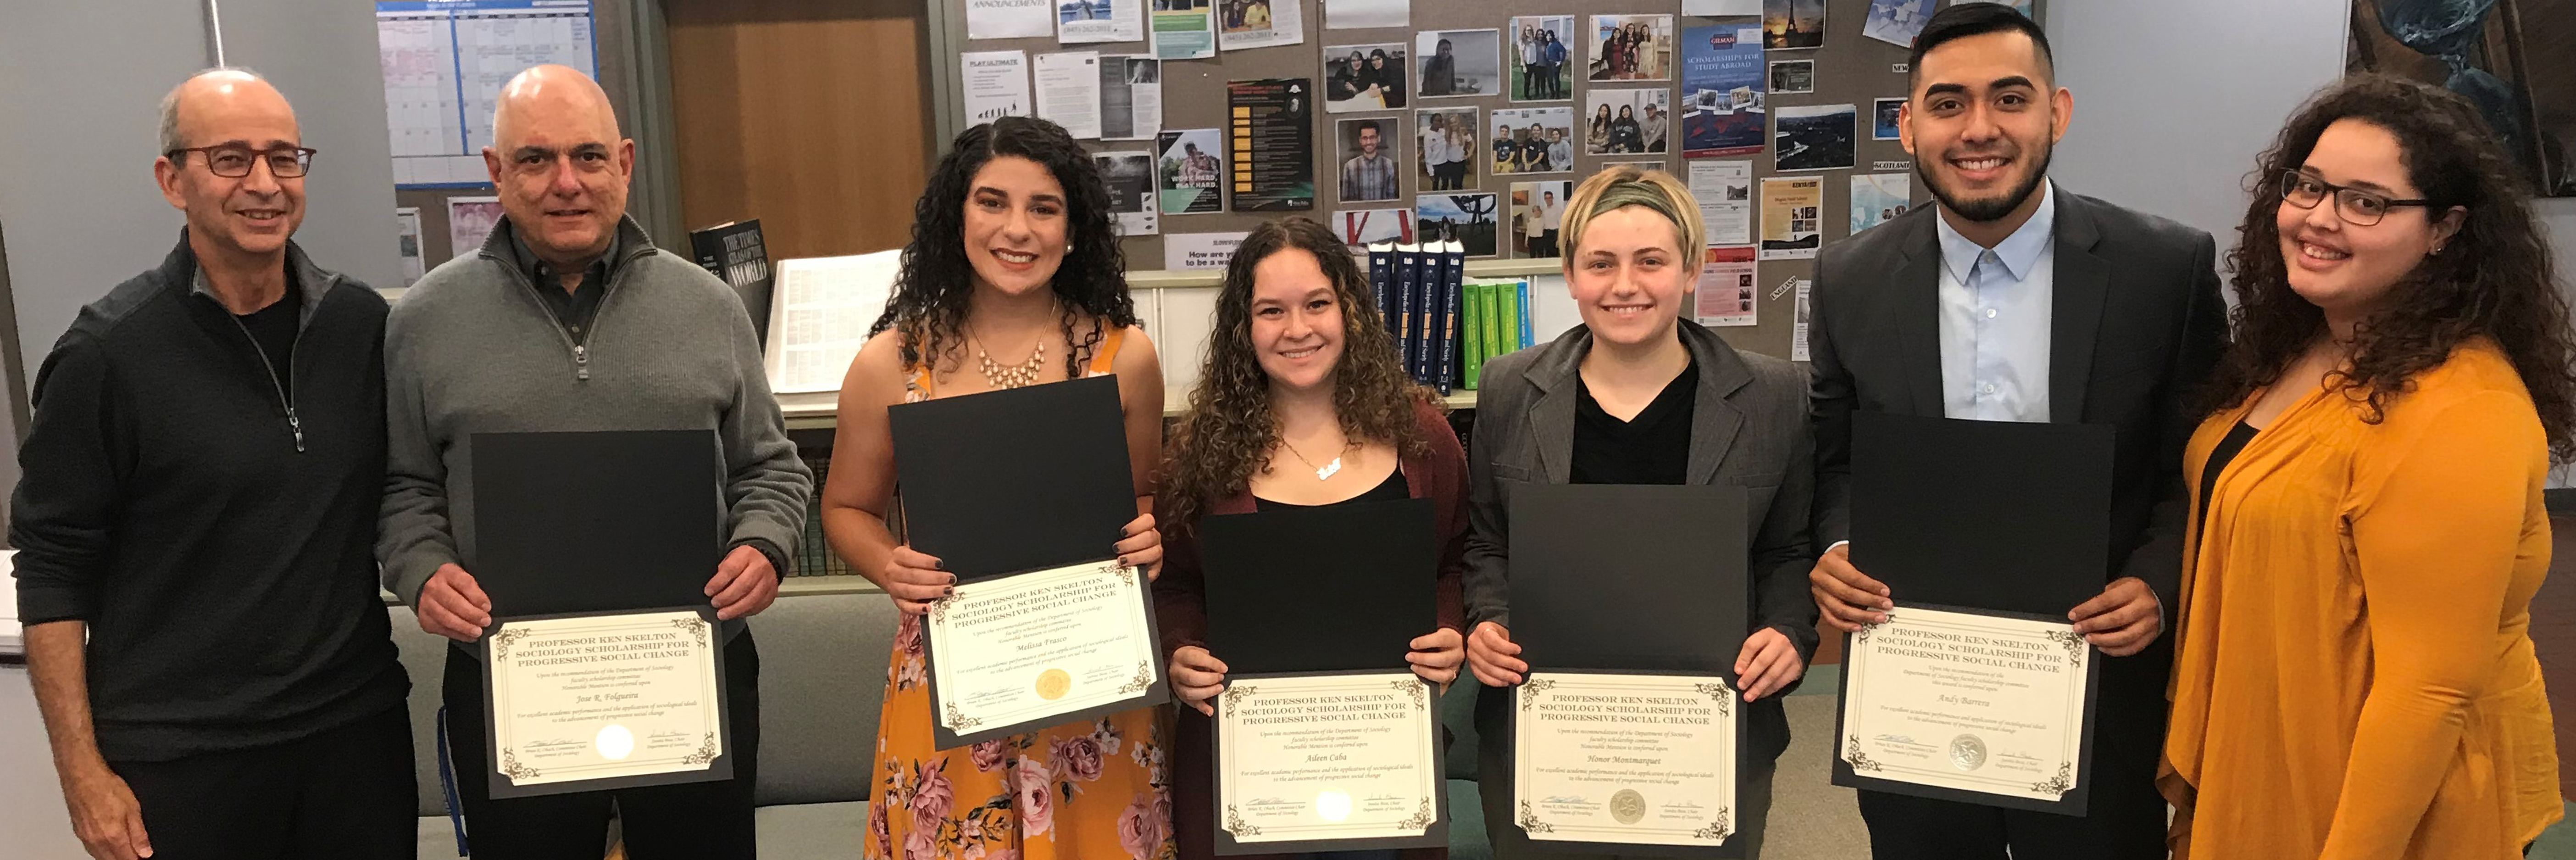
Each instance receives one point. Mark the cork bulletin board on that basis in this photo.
(1848, 68)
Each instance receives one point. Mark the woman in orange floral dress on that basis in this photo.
(1012, 255)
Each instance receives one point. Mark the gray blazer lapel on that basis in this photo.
(1918, 315)
(1714, 419)
(1551, 414)
(2082, 282)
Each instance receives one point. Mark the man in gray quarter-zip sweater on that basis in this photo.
(194, 521)
(569, 319)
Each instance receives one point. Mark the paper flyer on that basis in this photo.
(1726, 291)
(1069, 92)
(1791, 215)
(1798, 322)
(1877, 198)
(1007, 19)
(407, 235)
(996, 85)
(1184, 30)
(1191, 171)
(1722, 91)
(1243, 24)
(1131, 97)
(1130, 176)
(1082, 21)
(1200, 250)
(1725, 193)
(1274, 144)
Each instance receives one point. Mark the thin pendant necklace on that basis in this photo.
(1324, 472)
(1021, 375)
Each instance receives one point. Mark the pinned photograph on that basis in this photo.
(1538, 213)
(1541, 58)
(1447, 142)
(1814, 137)
(469, 221)
(1130, 176)
(1532, 140)
(1192, 171)
(1793, 76)
(1793, 23)
(1624, 122)
(1367, 14)
(1363, 227)
(1632, 48)
(1368, 163)
(1467, 218)
(1460, 62)
(1896, 22)
(1877, 198)
(1883, 114)
(1365, 77)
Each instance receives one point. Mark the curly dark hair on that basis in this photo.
(1229, 431)
(929, 303)
(2493, 280)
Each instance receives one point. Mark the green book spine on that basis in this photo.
(1510, 322)
(1494, 343)
(1472, 309)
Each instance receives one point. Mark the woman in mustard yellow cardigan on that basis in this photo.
(2354, 673)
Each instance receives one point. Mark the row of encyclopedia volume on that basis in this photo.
(1444, 323)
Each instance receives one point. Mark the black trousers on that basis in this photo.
(695, 821)
(2126, 817)
(344, 794)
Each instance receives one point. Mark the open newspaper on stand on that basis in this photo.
(819, 315)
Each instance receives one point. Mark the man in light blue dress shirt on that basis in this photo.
(2015, 300)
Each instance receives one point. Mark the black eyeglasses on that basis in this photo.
(2361, 208)
(234, 162)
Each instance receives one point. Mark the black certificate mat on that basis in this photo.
(1628, 579)
(1274, 144)
(1015, 480)
(2074, 802)
(1345, 587)
(596, 521)
(718, 770)
(1990, 514)
(1611, 577)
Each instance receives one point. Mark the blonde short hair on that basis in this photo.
(1623, 186)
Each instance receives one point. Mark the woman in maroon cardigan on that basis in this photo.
(1301, 403)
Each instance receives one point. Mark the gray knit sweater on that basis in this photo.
(471, 348)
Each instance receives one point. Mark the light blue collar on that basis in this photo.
(2019, 251)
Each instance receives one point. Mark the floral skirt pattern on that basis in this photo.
(1095, 790)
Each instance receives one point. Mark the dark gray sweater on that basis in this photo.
(472, 348)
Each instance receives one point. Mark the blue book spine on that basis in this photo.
(1453, 281)
(1408, 264)
(1526, 312)
(1381, 269)
(1426, 313)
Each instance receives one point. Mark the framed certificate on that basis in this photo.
(1990, 708)
(1622, 763)
(1014, 653)
(596, 701)
(1328, 762)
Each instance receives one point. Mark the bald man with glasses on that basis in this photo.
(195, 526)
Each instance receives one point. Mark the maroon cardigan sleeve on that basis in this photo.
(1441, 475)
(1180, 591)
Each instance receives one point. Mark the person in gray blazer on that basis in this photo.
(1640, 395)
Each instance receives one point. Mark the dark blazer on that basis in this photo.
(1180, 607)
(2135, 328)
(1748, 428)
